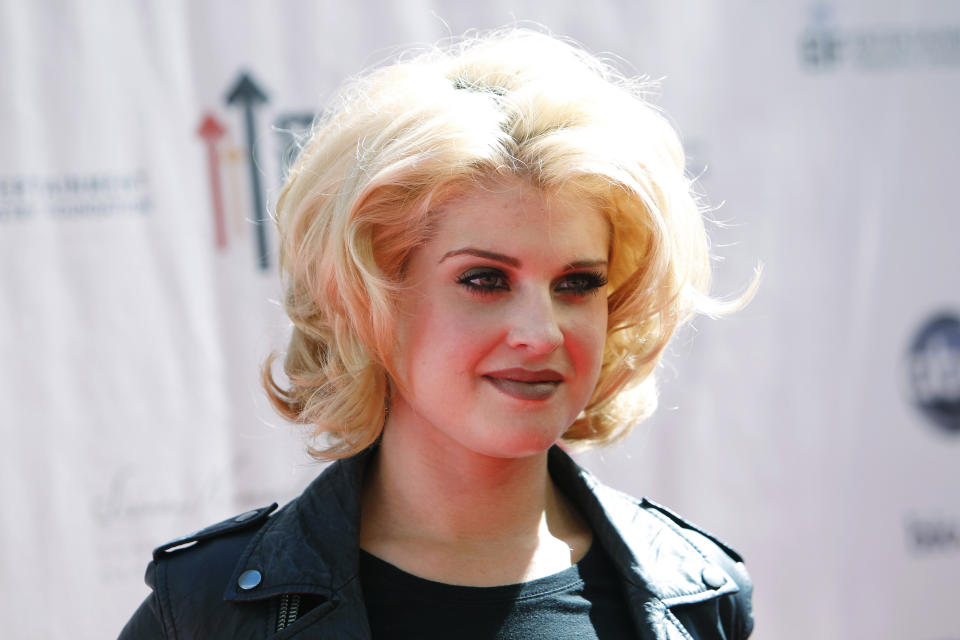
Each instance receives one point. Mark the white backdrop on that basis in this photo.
(817, 431)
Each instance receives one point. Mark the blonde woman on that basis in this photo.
(486, 247)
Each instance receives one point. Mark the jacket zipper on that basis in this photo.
(289, 608)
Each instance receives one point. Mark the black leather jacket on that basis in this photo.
(294, 574)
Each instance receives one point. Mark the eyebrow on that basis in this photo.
(481, 253)
(513, 262)
(582, 264)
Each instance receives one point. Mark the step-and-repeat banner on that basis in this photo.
(818, 431)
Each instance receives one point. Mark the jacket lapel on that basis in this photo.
(660, 566)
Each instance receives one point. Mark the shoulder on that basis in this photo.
(189, 575)
(707, 544)
(225, 530)
(738, 607)
(684, 564)
(230, 579)
(692, 574)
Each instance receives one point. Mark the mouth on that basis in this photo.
(524, 384)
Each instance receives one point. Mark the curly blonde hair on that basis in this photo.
(400, 139)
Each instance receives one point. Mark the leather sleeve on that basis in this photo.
(145, 623)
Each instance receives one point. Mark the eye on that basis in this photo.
(484, 280)
(582, 283)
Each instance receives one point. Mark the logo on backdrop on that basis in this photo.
(933, 534)
(824, 46)
(237, 169)
(57, 196)
(933, 371)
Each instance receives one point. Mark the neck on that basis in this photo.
(449, 494)
(443, 512)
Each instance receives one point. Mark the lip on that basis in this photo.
(519, 374)
(524, 384)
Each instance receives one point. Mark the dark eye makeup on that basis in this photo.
(490, 280)
(581, 282)
(484, 280)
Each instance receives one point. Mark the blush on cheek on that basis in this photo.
(588, 351)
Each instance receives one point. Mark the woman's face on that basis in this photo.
(501, 331)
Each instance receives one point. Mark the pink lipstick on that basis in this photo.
(525, 384)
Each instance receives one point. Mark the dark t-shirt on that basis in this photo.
(582, 602)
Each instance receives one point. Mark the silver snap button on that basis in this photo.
(249, 579)
(713, 577)
(243, 517)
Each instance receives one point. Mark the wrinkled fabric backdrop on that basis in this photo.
(817, 431)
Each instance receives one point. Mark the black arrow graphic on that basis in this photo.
(289, 128)
(248, 94)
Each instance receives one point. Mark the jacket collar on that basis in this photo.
(310, 546)
(648, 546)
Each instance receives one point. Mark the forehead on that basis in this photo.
(513, 216)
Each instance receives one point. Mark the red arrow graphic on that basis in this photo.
(211, 130)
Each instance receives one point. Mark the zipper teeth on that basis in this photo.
(294, 608)
(289, 608)
(282, 617)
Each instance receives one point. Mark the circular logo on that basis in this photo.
(933, 371)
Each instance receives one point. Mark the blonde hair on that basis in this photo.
(400, 139)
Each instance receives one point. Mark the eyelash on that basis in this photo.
(585, 282)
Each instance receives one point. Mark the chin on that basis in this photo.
(517, 445)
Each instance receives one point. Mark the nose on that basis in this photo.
(535, 324)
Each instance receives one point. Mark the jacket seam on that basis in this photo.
(336, 591)
(677, 624)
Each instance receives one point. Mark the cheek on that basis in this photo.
(588, 335)
(444, 336)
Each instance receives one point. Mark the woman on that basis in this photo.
(486, 248)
